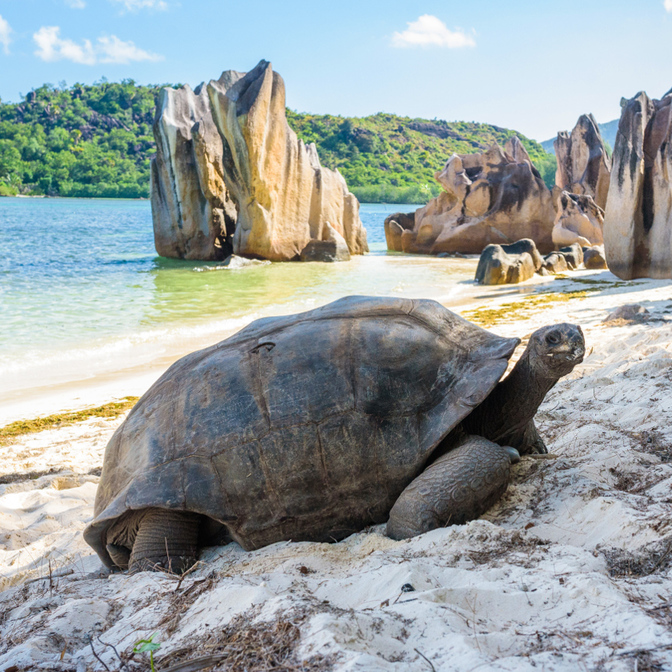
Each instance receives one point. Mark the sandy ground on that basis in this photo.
(571, 570)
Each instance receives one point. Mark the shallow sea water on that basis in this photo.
(82, 291)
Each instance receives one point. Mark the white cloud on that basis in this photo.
(429, 31)
(75, 4)
(5, 30)
(137, 5)
(113, 50)
(668, 5)
(52, 47)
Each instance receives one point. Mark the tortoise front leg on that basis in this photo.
(460, 486)
(165, 539)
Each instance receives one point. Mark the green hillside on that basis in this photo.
(393, 159)
(96, 141)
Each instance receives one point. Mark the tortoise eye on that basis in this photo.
(553, 338)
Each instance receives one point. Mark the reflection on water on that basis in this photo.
(82, 290)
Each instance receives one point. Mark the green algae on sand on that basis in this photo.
(20, 427)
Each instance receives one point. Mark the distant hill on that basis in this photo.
(608, 132)
(96, 141)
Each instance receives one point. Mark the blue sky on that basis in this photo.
(531, 66)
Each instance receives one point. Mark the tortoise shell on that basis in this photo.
(302, 427)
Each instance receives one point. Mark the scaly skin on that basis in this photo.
(507, 415)
(467, 480)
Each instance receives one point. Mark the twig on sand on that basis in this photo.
(51, 577)
(114, 648)
(97, 657)
(422, 655)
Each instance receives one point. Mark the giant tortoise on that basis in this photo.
(316, 425)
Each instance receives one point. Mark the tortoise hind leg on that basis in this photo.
(165, 539)
(458, 487)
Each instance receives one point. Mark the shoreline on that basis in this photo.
(128, 364)
(111, 385)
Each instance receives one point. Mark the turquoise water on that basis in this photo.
(82, 290)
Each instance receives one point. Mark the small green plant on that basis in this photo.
(147, 646)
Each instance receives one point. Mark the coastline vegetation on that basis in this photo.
(21, 427)
(97, 141)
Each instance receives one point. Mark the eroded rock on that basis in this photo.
(395, 225)
(638, 216)
(230, 176)
(555, 263)
(334, 248)
(593, 257)
(495, 197)
(629, 312)
(193, 214)
(578, 220)
(508, 264)
(583, 164)
(573, 255)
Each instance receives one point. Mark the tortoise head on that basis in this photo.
(555, 350)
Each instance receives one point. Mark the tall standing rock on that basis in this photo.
(578, 220)
(192, 212)
(495, 197)
(583, 164)
(230, 175)
(638, 216)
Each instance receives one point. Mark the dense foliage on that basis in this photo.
(393, 159)
(79, 141)
(97, 141)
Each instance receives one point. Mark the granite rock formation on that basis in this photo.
(573, 255)
(555, 263)
(583, 163)
(194, 217)
(231, 176)
(578, 220)
(638, 216)
(395, 225)
(495, 197)
(508, 264)
(593, 257)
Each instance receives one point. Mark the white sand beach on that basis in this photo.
(571, 570)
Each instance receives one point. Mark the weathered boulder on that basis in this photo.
(229, 168)
(578, 220)
(555, 263)
(593, 257)
(573, 255)
(395, 225)
(629, 312)
(334, 248)
(508, 264)
(496, 197)
(193, 214)
(638, 216)
(583, 164)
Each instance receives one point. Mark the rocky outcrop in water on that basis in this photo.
(193, 214)
(578, 220)
(495, 197)
(638, 216)
(231, 176)
(583, 163)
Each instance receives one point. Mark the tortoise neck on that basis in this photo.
(525, 388)
(505, 415)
